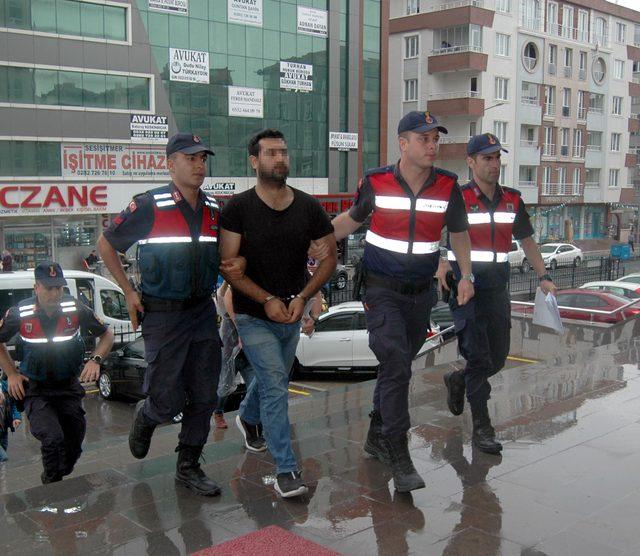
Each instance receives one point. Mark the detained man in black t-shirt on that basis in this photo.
(272, 226)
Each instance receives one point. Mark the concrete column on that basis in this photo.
(333, 97)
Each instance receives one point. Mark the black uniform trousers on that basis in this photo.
(183, 353)
(483, 327)
(397, 325)
(57, 421)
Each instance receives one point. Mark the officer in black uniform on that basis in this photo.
(52, 353)
(496, 214)
(411, 202)
(176, 227)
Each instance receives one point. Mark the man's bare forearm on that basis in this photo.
(533, 255)
(344, 225)
(112, 261)
(461, 247)
(6, 363)
(247, 287)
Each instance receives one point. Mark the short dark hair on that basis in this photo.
(254, 143)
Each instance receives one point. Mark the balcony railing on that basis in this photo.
(552, 69)
(451, 5)
(531, 23)
(582, 74)
(548, 149)
(530, 101)
(568, 70)
(636, 78)
(528, 144)
(578, 151)
(592, 185)
(595, 110)
(634, 116)
(456, 49)
(582, 113)
(455, 94)
(455, 139)
(594, 148)
(561, 188)
(524, 184)
(549, 109)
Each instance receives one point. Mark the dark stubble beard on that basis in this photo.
(277, 176)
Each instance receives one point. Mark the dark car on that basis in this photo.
(122, 375)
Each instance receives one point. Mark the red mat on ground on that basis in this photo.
(270, 541)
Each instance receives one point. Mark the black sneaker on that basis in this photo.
(140, 433)
(252, 434)
(455, 383)
(290, 484)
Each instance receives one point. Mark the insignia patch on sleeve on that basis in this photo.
(132, 206)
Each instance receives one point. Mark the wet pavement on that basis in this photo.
(567, 482)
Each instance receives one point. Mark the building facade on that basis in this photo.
(556, 81)
(90, 90)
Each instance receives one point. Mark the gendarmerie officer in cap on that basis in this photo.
(48, 327)
(483, 326)
(411, 202)
(176, 228)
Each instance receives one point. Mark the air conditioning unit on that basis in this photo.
(567, 71)
(582, 74)
(552, 69)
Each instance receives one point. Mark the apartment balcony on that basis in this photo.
(530, 111)
(453, 147)
(441, 16)
(528, 191)
(457, 58)
(531, 23)
(631, 160)
(582, 113)
(595, 119)
(568, 33)
(633, 52)
(560, 192)
(634, 89)
(593, 192)
(593, 157)
(549, 150)
(634, 123)
(529, 153)
(461, 103)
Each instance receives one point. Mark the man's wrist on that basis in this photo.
(268, 298)
(546, 277)
(302, 296)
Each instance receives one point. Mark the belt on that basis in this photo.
(157, 304)
(404, 288)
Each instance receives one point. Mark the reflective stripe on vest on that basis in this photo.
(399, 246)
(482, 256)
(54, 339)
(404, 203)
(485, 218)
(176, 239)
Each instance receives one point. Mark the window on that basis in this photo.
(578, 149)
(530, 14)
(337, 323)
(30, 158)
(582, 65)
(549, 100)
(576, 181)
(616, 109)
(596, 102)
(564, 141)
(583, 26)
(636, 34)
(548, 147)
(567, 21)
(411, 46)
(562, 178)
(530, 56)
(502, 44)
(413, 7)
(614, 174)
(527, 175)
(114, 304)
(530, 92)
(472, 129)
(582, 109)
(546, 178)
(500, 130)
(566, 102)
(553, 54)
(501, 88)
(568, 61)
(552, 18)
(503, 6)
(592, 177)
(473, 84)
(460, 38)
(621, 32)
(618, 69)
(410, 89)
(598, 69)
(594, 140)
(615, 142)
(600, 34)
(503, 173)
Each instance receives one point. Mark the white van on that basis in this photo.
(102, 295)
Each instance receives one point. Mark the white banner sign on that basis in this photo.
(245, 102)
(313, 22)
(296, 77)
(105, 161)
(215, 186)
(171, 6)
(247, 12)
(147, 128)
(191, 66)
(343, 141)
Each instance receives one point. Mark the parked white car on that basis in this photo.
(340, 343)
(561, 254)
(517, 258)
(623, 289)
(630, 279)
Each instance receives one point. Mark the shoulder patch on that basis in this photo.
(132, 206)
(446, 173)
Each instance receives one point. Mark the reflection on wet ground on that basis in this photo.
(567, 482)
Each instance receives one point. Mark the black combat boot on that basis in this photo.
(484, 437)
(454, 381)
(189, 473)
(140, 433)
(405, 476)
(373, 445)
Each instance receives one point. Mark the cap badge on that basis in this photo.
(28, 327)
(492, 139)
(428, 118)
(196, 139)
(510, 206)
(52, 271)
(474, 208)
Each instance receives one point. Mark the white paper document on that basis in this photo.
(546, 312)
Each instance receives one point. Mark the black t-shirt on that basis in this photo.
(274, 242)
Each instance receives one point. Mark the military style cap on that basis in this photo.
(419, 122)
(50, 274)
(187, 143)
(485, 143)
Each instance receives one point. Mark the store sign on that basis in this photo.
(343, 141)
(180, 7)
(247, 12)
(102, 161)
(245, 102)
(335, 205)
(191, 66)
(313, 22)
(296, 77)
(52, 199)
(222, 187)
(147, 128)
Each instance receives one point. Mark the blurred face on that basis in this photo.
(48, 296)
(272, 162)
(485, 167)
(420, 149)
(188, 170)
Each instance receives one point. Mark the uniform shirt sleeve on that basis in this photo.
(364, 201)
(522, 227)
(132, 224)
(231, 216)
(456, 216)
(9, 325)
(320, 221)
(90, 322)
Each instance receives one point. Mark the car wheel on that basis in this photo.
(553, 264)
(105, 386)
(341, 281)
(526, 267)
(577, 261)
(177, 418)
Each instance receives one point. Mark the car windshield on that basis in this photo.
(548, 248)
(633, 279)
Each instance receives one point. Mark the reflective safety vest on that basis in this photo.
(173, 264)
(404, 224)
(56, 356)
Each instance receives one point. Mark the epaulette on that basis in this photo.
(446, 173)
(381, 170)
(511, 190)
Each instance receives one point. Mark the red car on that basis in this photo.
(587, 299)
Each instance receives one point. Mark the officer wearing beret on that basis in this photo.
(176, 228)
(483, 326)
(411, 202)
(52, 354)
